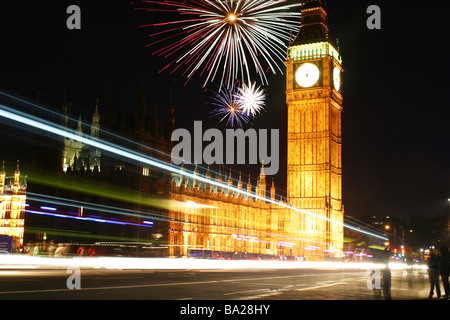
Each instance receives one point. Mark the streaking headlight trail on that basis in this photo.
(57, 130)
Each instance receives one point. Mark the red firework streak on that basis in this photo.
(226, 40)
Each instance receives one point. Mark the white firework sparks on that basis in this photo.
(251, 99)
(231, 37)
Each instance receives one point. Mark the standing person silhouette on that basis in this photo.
(444, 268)
(433, 273)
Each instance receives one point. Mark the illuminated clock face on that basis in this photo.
(337, 78)
(307, 75)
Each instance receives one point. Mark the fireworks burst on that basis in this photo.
(238, 106)
(228, 109)
(251, 99)
(224, 36)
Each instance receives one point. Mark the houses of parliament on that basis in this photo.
(192, 216)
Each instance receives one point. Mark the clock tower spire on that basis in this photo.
(314, 161)
(314, 23)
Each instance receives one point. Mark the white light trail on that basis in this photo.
(20, 261)
(49, 127)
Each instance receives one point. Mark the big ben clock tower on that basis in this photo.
(314, 165)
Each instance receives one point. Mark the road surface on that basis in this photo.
(290, 284)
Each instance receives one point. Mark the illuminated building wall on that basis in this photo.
(12, 205)
(213, 218)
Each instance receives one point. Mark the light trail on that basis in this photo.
(115, 193)
(20, 261)
(242, 235)
(99, 219)
(52, 128)
(91, 206)
(104, 132)
(75, 122)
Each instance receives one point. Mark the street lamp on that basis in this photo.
(388, 227)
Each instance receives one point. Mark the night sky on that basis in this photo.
(396, 138)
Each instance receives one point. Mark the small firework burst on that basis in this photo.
(238, 106)
(228, 109)
(251, 99)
